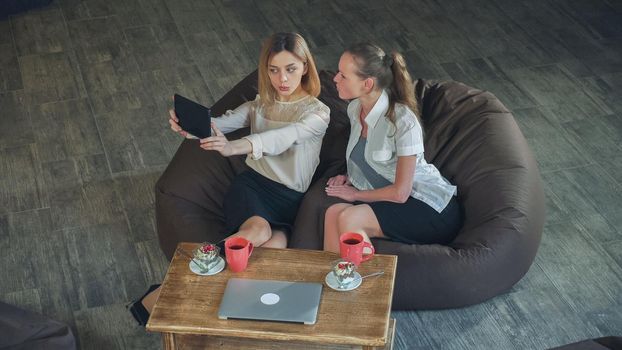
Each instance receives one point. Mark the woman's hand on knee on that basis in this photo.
(345, 192)
(338, 180)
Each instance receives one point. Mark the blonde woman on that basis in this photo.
(287, 124)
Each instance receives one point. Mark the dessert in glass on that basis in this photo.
(344, 271)
(206, 255)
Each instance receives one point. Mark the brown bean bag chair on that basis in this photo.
(470, 137)
(25, 330)
(11, 7)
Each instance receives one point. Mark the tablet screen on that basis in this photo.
(193, 117)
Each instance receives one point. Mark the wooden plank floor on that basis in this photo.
(84, 88)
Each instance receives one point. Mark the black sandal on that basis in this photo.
(137, 309)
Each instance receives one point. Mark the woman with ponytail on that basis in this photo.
(393, 193)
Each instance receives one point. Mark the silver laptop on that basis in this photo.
(270, 300)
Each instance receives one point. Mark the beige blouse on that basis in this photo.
(286, 137)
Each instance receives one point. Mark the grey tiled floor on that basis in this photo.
(84, 88)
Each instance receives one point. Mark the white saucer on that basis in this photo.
(220, 265)
(331, 281)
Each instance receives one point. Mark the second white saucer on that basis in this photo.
(331, 281)
(220, 265)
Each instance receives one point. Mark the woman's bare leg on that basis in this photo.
(331, 226)
(150, 299)
(360, 219)
(255, 229)
(278, 240)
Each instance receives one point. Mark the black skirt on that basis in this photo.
(415, 222)
(252, 194)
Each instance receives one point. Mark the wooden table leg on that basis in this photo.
(390, 338)
(168, 341)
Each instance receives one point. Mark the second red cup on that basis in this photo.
(237, 251)
(351, 246)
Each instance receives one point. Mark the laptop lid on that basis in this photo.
(270, 300)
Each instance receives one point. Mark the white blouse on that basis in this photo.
(286, 137)
(386, 142)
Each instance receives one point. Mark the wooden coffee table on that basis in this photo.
(186, 312)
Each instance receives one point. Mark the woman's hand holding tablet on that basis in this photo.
(189, 117)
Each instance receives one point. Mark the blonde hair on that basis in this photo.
(296, 45)
(389, 71)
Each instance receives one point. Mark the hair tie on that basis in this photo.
(387, 60)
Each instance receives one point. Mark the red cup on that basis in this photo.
(351, 246)
(237, 251)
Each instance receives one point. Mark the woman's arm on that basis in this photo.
(270, 142)
(277, 141)
(397, 192)
(218, 142)
(230, 121)
(234, 119)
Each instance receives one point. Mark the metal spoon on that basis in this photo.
(343, 286)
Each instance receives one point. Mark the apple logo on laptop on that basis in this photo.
(270, 298)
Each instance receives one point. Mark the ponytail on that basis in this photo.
(402, 89)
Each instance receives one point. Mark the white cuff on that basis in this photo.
(256, 144)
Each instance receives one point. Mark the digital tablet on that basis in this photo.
(193, 118)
